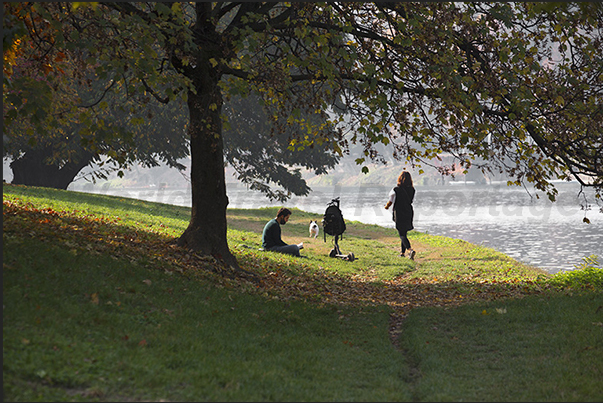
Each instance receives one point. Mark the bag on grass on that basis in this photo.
(332, 221)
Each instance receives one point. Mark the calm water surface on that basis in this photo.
(533, 230)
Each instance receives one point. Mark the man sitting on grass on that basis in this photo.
(271, 236)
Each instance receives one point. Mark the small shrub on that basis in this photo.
(587, 275)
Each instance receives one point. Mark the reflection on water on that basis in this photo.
(534, 230)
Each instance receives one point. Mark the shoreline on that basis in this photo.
(530, 233)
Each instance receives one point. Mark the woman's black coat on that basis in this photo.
(403, 212)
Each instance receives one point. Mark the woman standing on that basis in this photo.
(401, 197)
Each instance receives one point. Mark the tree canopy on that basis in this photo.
(515, 85)
(59, 117)
(126, 126)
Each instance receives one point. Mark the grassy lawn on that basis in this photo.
(99, 305)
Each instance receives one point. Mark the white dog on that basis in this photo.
(313, 229)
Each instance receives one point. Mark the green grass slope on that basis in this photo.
(100, 305)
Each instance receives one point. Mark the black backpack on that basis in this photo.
(332, 221)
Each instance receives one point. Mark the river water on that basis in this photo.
(551, 236)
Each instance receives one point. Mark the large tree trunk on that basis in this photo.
(207, 229)
(32, 170)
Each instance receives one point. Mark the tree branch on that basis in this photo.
(101, 98)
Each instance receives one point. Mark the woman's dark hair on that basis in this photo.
(283, 211)
(405, 179)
